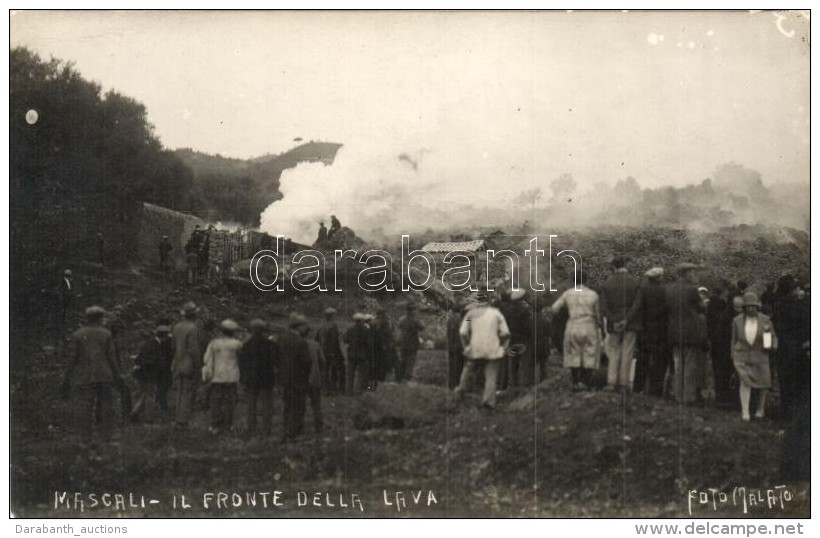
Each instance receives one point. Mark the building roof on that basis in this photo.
(463, 246)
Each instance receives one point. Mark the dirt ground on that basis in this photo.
(405, 450)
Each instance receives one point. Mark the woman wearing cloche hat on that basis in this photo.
(753, 339)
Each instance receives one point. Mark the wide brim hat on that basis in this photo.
(94, 311)
(687, 266)
(189, 308)
(655, 272)
(296, 320)
(751, 299)
(258, 324)
(229, 325)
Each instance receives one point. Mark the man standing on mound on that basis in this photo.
(484, 337)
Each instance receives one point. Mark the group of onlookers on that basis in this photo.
(656, 337)
(654, 332)
(304, 363)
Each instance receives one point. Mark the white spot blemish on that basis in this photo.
(654, 39)
(32, 116)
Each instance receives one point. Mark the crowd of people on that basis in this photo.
(656, 337)
(302, 362)
(659, 338)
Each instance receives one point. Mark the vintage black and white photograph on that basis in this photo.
(409, 264)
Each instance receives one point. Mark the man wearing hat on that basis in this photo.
(294, 372)
(484, 337)
(187, 362)
(65, 295)
(792, 319)
(321, 239)
(719, 329)
(257, 362)
(335, 226)
(383, 341)
(519, 360)
(654, 358)
(620, 302)
(361, 350)
(94, 371)
(410, 329)
(152, 370)
(683, 307)
(330, 340)
(455, 353)
(221, 370)
(165, 250)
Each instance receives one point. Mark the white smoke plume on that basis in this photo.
(383, 192)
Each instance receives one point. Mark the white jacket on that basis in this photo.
(482, 332)
(222, 361)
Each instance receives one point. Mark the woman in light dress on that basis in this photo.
(753, 339)
(582, 337)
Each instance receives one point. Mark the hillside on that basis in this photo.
(237, 190)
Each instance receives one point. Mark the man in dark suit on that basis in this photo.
(719, 328)
(152, 370)
(94, 371)
(361, 350)
(66, 296)
(683, 305)
(620, 302)
(294, 371)
(257, 365)
(654, 358)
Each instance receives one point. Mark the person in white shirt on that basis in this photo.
(484, 338)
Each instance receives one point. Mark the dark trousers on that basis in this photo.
(455, 365)
(503, 378)
(789, 373)
(294, 411)
(146, 390)
(186, 397)
(260, 402)
(94, 408)
(314, 394)
(406, 365)
(360, 375)
(658, 359)
(223, 401)
(722, 368)
(335, 375)
(521, 369)
(581, 375)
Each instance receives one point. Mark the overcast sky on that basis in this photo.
(664, 97)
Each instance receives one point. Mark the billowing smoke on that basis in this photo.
(381, 193)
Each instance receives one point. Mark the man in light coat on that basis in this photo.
(221, 370)
(94, 371)
(186, 365)
(484, 337)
